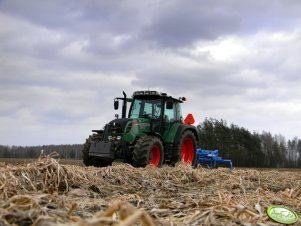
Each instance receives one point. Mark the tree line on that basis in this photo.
(73, 151)
(249, 149)
(244, 148)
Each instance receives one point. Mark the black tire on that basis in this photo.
(90, 160)
(148, 150)
(188, 140)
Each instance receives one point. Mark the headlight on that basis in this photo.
(118, 138)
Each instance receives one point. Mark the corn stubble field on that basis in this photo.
(46, 192)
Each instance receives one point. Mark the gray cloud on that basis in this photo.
(181, 23)
(63, 62)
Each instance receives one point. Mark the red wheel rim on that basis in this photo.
(155, 155)
(187, 150)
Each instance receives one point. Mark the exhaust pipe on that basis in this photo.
(124, 105)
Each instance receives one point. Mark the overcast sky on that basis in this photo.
(63, 61)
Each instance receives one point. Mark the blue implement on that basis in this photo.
(211, 159)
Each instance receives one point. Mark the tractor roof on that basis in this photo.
(154, 95)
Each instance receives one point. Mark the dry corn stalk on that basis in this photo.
(47, 191)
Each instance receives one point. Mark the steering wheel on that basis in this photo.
(150, 116)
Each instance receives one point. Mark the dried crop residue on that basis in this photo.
(46, 192)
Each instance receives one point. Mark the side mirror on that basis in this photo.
(116, 104)
(169, 104)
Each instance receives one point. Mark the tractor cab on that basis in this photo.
(160, 109)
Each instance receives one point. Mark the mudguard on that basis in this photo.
(184, 127)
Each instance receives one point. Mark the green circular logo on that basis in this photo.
(282, 214)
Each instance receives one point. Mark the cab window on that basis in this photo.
(146, 108)
(179, 116)
(135, 111)
(174, 114)
(169, 114)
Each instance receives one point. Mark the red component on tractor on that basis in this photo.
(155, 156)
(189, 119)
(188, 150)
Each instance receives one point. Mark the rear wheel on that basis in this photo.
(90, 160)
(185, 149)
(148, 151)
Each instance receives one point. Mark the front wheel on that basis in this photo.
(148, 151)
(185, 149)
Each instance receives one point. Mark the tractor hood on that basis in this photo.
(120, 122)
(117, 125)
(127, 128)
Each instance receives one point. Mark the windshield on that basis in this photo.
(146, 108)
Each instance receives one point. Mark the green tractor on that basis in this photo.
(153, 133)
